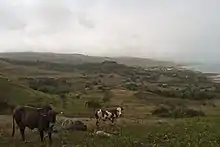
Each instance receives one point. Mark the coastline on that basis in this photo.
(215, 78)
(212, 73)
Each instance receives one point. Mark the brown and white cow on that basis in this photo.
(110, 115)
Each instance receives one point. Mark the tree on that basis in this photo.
(93, 104)
(63, 100)
(107, 96)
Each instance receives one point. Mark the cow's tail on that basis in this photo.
(13, 126)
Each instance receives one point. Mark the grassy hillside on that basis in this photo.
(94, 80)
(78, 59)
(15, 94)
(163, 106)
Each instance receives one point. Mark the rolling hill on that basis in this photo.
(79, 59)
(157, 101)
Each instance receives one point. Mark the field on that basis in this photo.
(164, 106)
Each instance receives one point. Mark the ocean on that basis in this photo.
(205, 68)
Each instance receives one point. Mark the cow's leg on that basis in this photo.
(41, 136)
(22, 129)
(50, 137)
(97, 122)
(112, 120)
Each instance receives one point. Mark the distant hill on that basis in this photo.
(79, 58)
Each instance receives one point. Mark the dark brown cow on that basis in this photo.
(42, 119)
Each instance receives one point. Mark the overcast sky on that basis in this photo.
(171, 29)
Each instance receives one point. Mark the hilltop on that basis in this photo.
(79, 59)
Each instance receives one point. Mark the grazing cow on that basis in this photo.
(108, 115)
(42, 119)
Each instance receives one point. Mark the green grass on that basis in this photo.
(203, 132)
(137, 125)
(20, 95)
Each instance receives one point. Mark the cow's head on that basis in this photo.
(119, 111)
(50, 117)
(44, 110)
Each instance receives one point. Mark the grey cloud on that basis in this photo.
(9, 19)
(179, 30)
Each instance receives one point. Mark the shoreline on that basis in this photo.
(214, 76)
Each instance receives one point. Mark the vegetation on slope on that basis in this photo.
(14, 94)
(81, 88)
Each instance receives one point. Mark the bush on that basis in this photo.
(63, 99)
(101, 75)
(132, 86)
(107, 96)
(46, 89)
(162, 111)
(111, 76)
(187, 93)
(95, 83)
(5, 107)
(176, 112)
(93, 104)
(103, 87)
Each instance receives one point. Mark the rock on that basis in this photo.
(77, 126)
(162, 122)
(103, 134)
(34, 130)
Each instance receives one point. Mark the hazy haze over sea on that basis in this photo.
(205, 67)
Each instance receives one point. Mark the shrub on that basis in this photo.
(95, 83)
(5, 107)
(107, 96)
(132, 86)
(63, 99)
(103, 87)
(93, 104)
(111, 76)
(176, 112)
(101, 75)
(46, 89)
(162, 111)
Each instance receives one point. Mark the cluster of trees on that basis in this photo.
(50, 85)
(95, 104)
(107, 96)
(5, 107)
(92, 104)
(185, 93)
(176, 112)
(132, 86)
